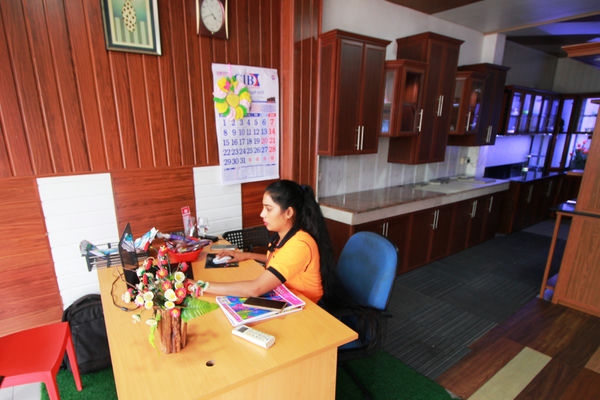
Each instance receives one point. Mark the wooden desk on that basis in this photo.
(217, 365)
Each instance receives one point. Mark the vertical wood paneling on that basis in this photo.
(46, 75)
(82, 108)
(70, 112)
(27, 94)
(69, 106)
(14, 155)
(153, 198)
(86, 100)
(30, 290)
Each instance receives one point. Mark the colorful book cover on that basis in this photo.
(239, 313)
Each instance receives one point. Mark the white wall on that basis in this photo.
(82, 207)
(575, 77)
(528, 67)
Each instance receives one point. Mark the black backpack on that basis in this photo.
(86, 319)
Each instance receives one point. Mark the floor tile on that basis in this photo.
(514, 377)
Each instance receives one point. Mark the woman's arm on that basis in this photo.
(264, 283)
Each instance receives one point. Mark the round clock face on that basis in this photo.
(213, 15)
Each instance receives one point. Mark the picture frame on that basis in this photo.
(131, 26)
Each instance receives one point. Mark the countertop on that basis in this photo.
(371, 205)
(533, 176)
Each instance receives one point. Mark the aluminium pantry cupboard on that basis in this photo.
(350, 95)
(491, 103)
(441, 55)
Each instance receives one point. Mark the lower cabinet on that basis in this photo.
(427, 235)
(529, 202)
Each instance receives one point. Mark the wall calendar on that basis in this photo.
(246, 103)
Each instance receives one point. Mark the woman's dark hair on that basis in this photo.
(309, 218)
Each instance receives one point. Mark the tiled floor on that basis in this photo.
(22, 392)
(544, 351)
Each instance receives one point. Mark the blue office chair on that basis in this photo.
(367, 270)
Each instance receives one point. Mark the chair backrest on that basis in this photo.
(249, 239)
(367, 269)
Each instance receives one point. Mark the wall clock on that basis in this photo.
(211, 18)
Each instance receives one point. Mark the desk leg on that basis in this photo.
(550, 253)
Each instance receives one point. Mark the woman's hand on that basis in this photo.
(238, 255)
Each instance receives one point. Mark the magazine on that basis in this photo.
(239, 313)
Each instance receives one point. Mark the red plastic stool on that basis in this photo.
(35, 355)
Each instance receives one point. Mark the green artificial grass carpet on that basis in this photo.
(386, 377)
(99, 385)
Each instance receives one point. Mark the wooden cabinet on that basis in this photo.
(492, 210)
(441, 55)
(465, 114)
(529, 111)
(351, 79)
(484, 133)
(403, 98)
(396, 229)
(429, 233)
(529, 202)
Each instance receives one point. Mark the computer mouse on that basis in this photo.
(221, 260)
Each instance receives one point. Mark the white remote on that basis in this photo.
(254, 336)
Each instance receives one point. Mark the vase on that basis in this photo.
(171, 332)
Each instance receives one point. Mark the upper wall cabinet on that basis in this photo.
(440, 53)
(529, 111)
(465, 114)
(477, 105)
(351, 86)
(403, 98)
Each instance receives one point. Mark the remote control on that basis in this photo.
(254, 336)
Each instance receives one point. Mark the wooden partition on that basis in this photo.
(30, 295)
(153, 198)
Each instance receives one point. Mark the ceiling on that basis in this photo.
(544, 25)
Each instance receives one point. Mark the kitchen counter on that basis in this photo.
(370, 205)
(533, 176)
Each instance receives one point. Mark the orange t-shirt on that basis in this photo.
(297, 264)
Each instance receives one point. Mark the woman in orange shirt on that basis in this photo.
(299, 254)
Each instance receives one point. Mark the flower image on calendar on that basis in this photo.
(246, 103)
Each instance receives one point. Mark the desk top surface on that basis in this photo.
(214, 360)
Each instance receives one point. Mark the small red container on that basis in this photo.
(189, 256)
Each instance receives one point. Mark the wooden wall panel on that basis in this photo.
(153, 198)
(71, 106)
(29, 286)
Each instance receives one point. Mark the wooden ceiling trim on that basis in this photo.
(432, 6)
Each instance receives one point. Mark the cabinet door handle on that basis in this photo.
(362, 136)
(358, 137)
(420, 120)
(440, 105)
(384, 229)
(473, 209)
(530, 194)
(488, 138)
(490, 206)
(435, 219)
(468, 121)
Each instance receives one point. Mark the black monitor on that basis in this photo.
(129, 260)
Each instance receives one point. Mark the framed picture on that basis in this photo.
(131, 25)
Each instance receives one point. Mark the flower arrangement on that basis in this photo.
(232, 98)
(579, 156)
(163, 287)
